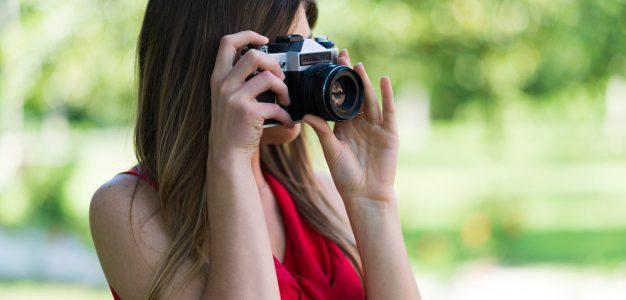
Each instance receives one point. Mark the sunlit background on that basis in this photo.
(512, 177)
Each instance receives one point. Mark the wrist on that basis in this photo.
(367, 208)
(227, 159)
(373, 221)
(228, 174)
(227, 169)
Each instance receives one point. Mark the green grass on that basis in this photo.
(24, 290)
(437, 249)
(543, 191)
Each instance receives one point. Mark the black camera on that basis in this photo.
(317, 84)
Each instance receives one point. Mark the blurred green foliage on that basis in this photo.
(74, 58)
(485, 51)
(77, 57)
(48, 200)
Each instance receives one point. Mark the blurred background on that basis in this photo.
(512, 177)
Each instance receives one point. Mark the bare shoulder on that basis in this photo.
(129, 234)
(124, 206)
(113, 200)
(330, 191)
(131, 239)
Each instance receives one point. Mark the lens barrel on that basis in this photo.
(336, 91)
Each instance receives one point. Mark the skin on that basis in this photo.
(245, 224)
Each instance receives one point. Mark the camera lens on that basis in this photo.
(336, 91)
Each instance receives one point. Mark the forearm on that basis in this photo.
(378, 234)
(240, 258)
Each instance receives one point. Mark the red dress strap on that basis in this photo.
(137, 171)
(115, 295)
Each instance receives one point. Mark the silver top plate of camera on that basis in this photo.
(312, 53)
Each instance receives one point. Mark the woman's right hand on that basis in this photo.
(236, 117)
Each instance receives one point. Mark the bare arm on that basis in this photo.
(242, 265)
(362, 156)
(379, 240)
(240, 253)
(388, 274)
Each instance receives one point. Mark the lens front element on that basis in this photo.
(337, 94)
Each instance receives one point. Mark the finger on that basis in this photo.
(370, 107)
(344, 58)
(273, 111)
(250, 63)
(389, 106)
(228, 50)
(263, 82)
(330, 144)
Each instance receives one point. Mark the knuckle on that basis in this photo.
(223, 90)
(232, 99)
(273, 76)
(276, 65)
(254, 56)
(214, 81)
(276, 108)
(281, 84)
(226, 40)
(280, 113)
(248, 112)
(267, 75)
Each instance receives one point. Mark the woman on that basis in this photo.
(220, 208)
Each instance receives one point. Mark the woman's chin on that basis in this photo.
(280, 134)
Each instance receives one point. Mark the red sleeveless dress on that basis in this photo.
(314, 267)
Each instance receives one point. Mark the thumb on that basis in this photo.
(330, 144)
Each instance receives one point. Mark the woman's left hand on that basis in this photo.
(362, 153)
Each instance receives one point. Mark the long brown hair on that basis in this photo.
(176, 54)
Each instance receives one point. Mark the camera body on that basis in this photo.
(317, 84)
